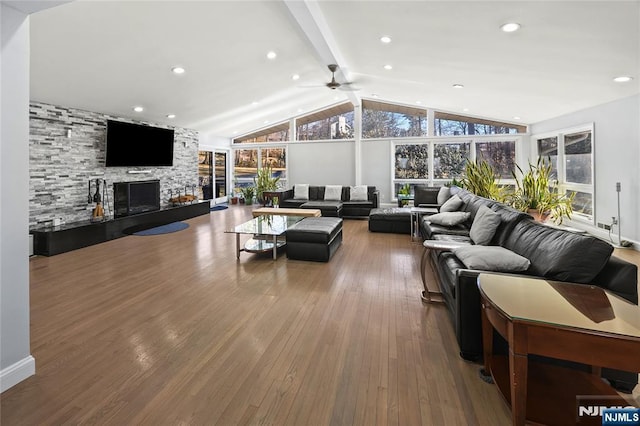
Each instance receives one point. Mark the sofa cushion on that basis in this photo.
(557, 254)
(448, 218)
(491, 258)
(453, 204)
(358, 193)
(484, 226)
(333, 192)
(443, 195)
(301, 191)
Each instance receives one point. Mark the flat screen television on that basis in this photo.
(134, 145)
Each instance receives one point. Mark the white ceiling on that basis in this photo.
(108, 56)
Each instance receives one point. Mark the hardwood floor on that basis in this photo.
(171, 329)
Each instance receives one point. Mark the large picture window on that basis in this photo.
(247, 162)
(447, 124)
(500, 155)
(449, 159)
(331, 123)
(571, 154)
(382, 120)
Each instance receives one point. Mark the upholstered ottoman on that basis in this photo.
(395, 220)
(328, 208)
(314, 238)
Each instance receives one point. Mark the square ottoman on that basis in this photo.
(314, 238)
(395, 220)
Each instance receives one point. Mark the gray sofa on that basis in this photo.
(554, 254)
(342, 208)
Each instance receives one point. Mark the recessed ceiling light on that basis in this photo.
(623, 79)
(516, 118)
(266, 121)
(254, 103)
(171, 116)
(385, 39)
(271, 55)
(388, 67)
(465, 109)
(458, 86)
(299, 109)
(295, 77)
(235, 132)
(138, 109)
(177, 70)
(419, 102)
(510, 27)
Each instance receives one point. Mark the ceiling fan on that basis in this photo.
(333, 84)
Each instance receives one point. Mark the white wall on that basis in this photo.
(617, 158)
(376, 167)
(322, 163)
(16, 363)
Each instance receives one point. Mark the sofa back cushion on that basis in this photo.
(423, 194)
(509, 218)
(556, 254)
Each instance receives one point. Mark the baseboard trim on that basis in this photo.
(17, 372)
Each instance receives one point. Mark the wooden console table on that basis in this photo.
(574, 322)
(270, 211)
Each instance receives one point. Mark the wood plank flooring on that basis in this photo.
(171, 329)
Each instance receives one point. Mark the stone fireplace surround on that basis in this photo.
(67, 149)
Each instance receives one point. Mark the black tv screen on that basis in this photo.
(131, 145)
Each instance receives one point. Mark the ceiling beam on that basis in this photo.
(309, 17)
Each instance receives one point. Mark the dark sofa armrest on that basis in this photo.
(287, 194)
(375, 199)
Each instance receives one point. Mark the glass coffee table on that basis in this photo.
(268, 233)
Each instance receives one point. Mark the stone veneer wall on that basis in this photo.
(60, 167)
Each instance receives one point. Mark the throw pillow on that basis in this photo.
(443, 195)
(333, 192)
(301, 191)
(449, 218)
(453, 204)
(491, 258)
(484, 226)
(358, 193)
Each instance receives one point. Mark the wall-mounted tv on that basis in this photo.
(133, 145)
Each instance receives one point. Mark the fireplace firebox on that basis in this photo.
(136, 197)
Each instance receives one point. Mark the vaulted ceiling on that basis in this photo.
(109, 56)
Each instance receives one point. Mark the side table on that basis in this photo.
(434, 296)
(416, 214)
(574, 322)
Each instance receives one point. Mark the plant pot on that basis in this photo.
(241, 200)
(234, 200)
(537, 216)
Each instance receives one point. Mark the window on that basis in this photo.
(571, 154)
(451, 125)
(411, 161)
(278, 133)
(381, 120)
(500, 155)
(247, 161)
(331, 123)
(449, 159)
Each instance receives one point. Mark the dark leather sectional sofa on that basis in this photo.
(554, 254)
(343, 208)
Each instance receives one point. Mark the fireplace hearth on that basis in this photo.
(136, 197)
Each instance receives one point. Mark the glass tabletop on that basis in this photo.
(561, 304)
(266, 225)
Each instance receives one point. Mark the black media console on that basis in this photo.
(52, 240)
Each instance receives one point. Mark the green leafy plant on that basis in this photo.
(404, 190)
(265, 182)
(481, 179)
(536, 190)
(248, 192)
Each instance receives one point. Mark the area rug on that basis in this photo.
(163, 229)
(219, 207)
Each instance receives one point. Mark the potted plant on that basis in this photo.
(537, 194)
(265, 182)
(248, 192)
(404, 194)
(481, 179)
